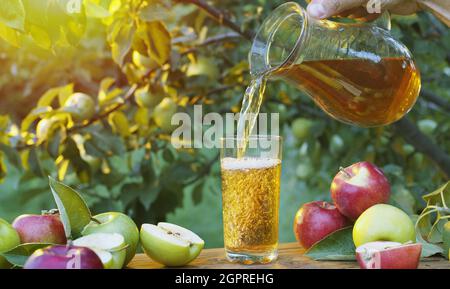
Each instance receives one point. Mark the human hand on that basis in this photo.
(321, 9)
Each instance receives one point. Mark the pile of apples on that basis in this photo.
(109, 241)
(384, 236)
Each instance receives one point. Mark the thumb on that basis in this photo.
(321, 9)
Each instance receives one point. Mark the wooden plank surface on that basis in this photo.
(290, 256)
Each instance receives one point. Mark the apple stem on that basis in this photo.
(342, 170)
(95, 220)
(50, 212)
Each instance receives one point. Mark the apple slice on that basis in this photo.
(169, 244)
(105, 256)
(105, 244)
(388, 255)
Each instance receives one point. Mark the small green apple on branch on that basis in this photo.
(71, 238)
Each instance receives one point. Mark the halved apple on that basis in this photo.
(110, 247)
(169, 244)
(105, 256)
(388, 255)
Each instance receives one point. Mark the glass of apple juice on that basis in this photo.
(251, 198)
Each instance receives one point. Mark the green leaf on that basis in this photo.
(3, 168)
(62, 92)
(121, 38)
(32, 116)
(440, 197)
(336, 246)
(74, 212)
(432, 218)
(95, 10)
(34, 163)
(154, 12)
(18, 256)
(157, 39)
(12, 14)
(119, 123)
(106, 95)
(12, 155)
(428, 249)
(10, 35)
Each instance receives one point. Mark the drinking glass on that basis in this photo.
(251, 198)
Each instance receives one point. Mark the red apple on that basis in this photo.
(359, 187)
(46, 228)
(315, 220)
(388, 255)
(64, 257)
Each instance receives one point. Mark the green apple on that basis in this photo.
(45, 128)
(163, 112)
(114, 222)
(169, 244)
(301, 128)
(149, 97)
(110, 247)
(446, 239)
(9, 238)
(106, 257)
(383, 222)
(81, 106)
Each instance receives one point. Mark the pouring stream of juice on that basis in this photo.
(251, 105)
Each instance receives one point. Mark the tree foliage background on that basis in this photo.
(143, 60)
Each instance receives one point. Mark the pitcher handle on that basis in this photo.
(384, 21)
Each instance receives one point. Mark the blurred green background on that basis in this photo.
(120, 159)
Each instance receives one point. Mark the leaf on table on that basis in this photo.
(74, 212)
(336, 246)
(19, 255)
(428, 249)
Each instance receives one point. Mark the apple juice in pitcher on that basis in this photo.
(357, 73)
(358, 91)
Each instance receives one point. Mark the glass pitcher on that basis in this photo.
(357, 73)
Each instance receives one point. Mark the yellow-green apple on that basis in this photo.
(446, 239)
(169, 244)
(383, 223)
(149, 97)
(316, 220)
(388, 255)
(9, 238)
(359, 187)
(115, 222)
(110, 247)
(45, 228)
(163, 112)
(81, 106)
(45, 128)
(64, 257)
(301, 128)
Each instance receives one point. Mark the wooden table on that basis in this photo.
(290, 256)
